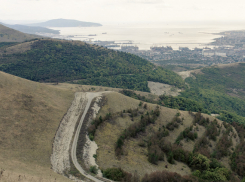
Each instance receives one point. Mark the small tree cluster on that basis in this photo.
(201, 146)
(198, 118)
(135, 128)
(238, 159)
(221, 149)
(173, 124)
(188, 133)
(117, 174)
(92, 128)
(93, 169)
(212, 130)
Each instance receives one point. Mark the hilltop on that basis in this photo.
(11, 35)
(65, 23)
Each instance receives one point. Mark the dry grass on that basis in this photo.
(19, 48)
(135, 157)
(91, 88)
(83, 88)
(13, 171)
(30, 114)
(227, 65)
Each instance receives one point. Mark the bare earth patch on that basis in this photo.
(160, 89)
(60, 159)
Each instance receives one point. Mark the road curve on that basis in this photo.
(90, 96)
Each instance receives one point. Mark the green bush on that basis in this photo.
(200, 162)
(196, 173)
(93, 169)
(215, 164)
(218, 174)
(115, 174)
(170, 157)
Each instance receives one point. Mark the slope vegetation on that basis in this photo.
(59, 61)
(140, 138)
(220, 89)
(30, 114)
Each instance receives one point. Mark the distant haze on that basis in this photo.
(107, 11)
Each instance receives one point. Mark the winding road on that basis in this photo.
(90, 96)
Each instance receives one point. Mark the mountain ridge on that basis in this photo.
(31, 29)
(65, 23)
(11, 35)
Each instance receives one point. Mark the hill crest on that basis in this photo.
(11, 35)
(65, 23)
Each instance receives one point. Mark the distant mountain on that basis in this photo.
(65, 23)
(10, 35)
(32, 29)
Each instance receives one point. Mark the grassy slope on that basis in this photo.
(135, 157)
(30, 114)
(10, 35)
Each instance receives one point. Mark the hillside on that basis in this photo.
(11, 35)
(65, 23)
(132, 135)
(78, 62)
(140, 138)
(220, 89)
(30, 114)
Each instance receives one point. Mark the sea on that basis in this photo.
(146, 35)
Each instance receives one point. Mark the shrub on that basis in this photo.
(212, 131)
(238, 159)
(200, 162)
(173, 124)
(196, 173)
(218, 174)
(215, 164)
(93, 169)
(180, 154)
(94, 125)
(170, 157)
(119, 143)
(155, 154)
(135, 128)
(115, 174)
(187, 133)
(222, 146)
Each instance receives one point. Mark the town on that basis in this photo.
(229, 48)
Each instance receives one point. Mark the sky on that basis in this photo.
(122, 11)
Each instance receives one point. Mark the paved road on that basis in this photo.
(90, 96)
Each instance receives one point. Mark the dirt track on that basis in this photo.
(60, 158)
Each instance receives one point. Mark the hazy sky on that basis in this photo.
(123, 10)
